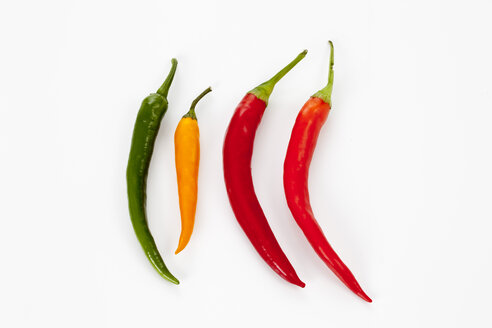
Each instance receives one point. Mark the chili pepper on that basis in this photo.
(300, 151)
(187, 156)
(237, 152)
(145, 132)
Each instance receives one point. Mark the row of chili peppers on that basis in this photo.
(237, 154)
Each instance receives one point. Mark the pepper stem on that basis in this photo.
(164, 89)
(264, 90)
(191, 112)
(325, 93)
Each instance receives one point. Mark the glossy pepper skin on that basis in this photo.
(300, 151)
(145, 132)
(237, 152)
(187, 157)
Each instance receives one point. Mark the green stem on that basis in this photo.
(191, 112)
(264, 90)
(325, 93)
(164, 89)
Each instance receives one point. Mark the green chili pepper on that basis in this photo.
(145, 132)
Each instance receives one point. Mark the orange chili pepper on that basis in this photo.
(187, 156)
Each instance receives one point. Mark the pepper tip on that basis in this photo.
(180, 248)
(363, 295)
(298, 282)
(172, 279)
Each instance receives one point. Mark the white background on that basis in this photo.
(401, 181)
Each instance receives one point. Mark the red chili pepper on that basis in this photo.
(237, 152)
(300, 151)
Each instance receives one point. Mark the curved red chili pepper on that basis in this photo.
(237, 152)
(300, 151)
